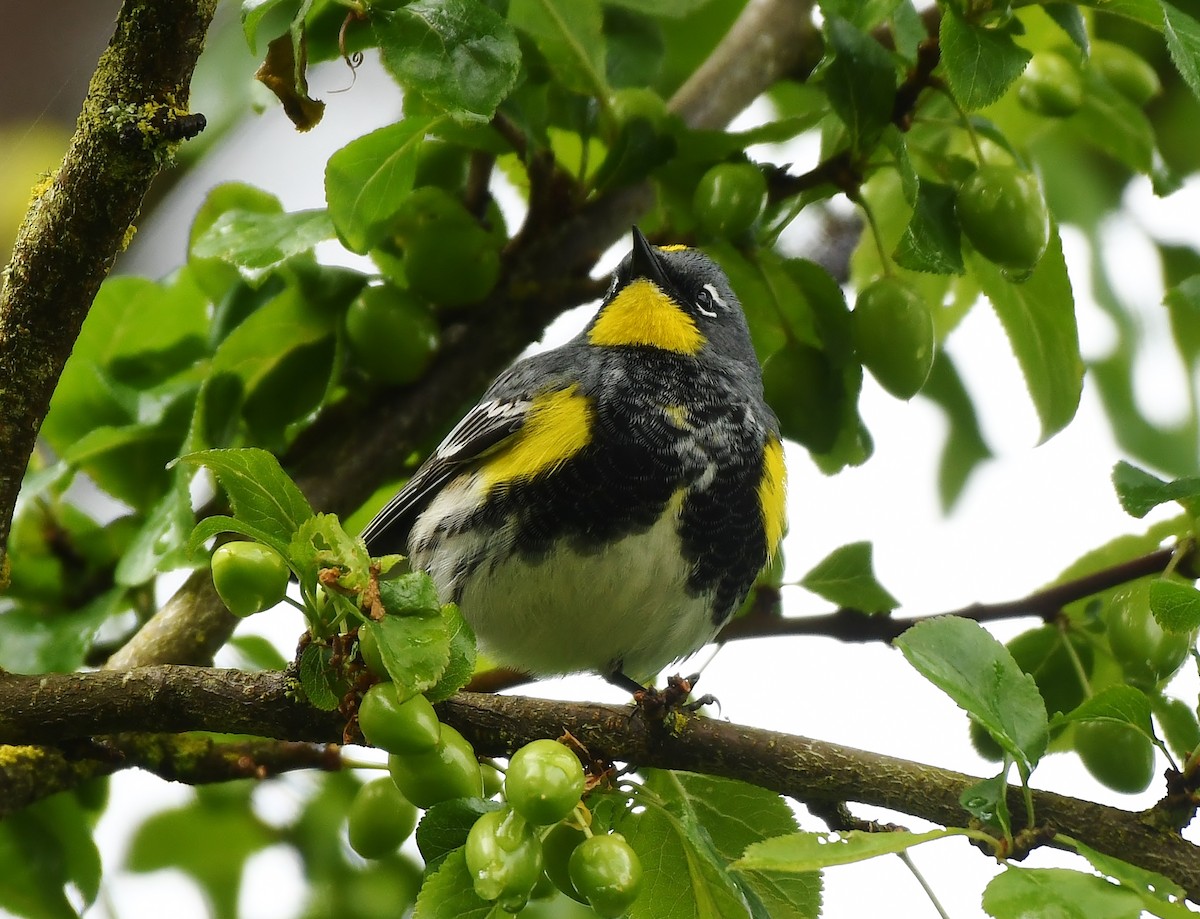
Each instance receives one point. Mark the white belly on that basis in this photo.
(624, 606)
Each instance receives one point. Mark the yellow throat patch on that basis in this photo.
(558, 426)
(641, 314)
(772, 494)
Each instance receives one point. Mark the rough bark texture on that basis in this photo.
(67, 712)
(135, 113)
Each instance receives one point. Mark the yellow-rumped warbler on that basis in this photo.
(607, 504)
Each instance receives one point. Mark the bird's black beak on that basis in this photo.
(646, 262)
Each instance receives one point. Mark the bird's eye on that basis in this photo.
(705, 299)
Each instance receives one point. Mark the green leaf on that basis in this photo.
(161, 541)
(37, 642)
(132, 322)
(256, 243)
(1060, 892)
(1111, 122)
(256, 653)
(1179, 724)
(448, 893)
(847, 577)
(987, 801)
(415, 651)
(965, 447)
(1182, 33)
(570, 33)
(1176, 606)
(863, 14)
(1147, 12)
(261, 493)
(981, 63)
(634, 47)
(1116, 704)
(1140, 492)
(787, 298)
(253, 12)
(458, 54)
(931, 239)
(669, 9)
(733, 815)
(43, 848)
(700, 146)
(963, 660)
(221, 831)
(860, 81)
(321, 542)
(1152, 887)
(411, 594)
(445, 826)
(1039, 317)
(317, 679)
(368, 179)
(686, 877)
(263, 341)
(814, 851)
(217, 524)
(1183, 304)
(462, 655)
(1070, 19)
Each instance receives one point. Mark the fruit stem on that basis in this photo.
(884, 262)
(965, 121)
(1076, 663)
(908, 863)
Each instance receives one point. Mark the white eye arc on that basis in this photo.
(713, 297)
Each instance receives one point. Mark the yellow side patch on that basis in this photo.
(558, 426)
(678, 415)
(641, 314)
(772, 494)
(678, 247)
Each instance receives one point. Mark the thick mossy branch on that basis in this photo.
(72, 711)
(133, 117)
(28, 774)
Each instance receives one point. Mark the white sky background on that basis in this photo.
(1025, 516)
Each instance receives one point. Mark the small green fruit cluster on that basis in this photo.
(509, 850)
(429, 761)
(249, 577)
(1118, 755)
(1148, 654)
(1053, 85)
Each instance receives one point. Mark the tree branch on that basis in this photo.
(65, 709)
(853, 625)
(30, 773)
(133, 117)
